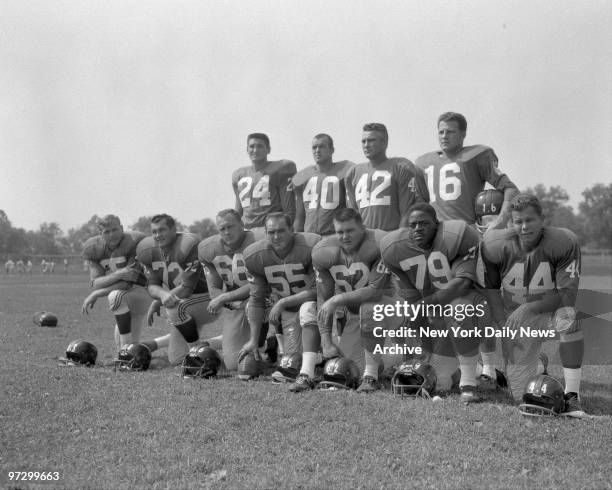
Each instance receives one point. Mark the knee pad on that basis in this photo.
(117, 303)
(308, 313)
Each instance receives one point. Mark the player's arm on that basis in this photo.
(258, 292)
(285, 192)
(351, 201)
(300, 212)
(238, 205)
(490, 172)
(412, 188)
(100, 280)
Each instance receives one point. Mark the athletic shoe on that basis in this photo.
(302, 383)
(368, 385)
(468, 394)
(573, 407)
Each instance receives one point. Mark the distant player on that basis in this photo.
(537, 268)
(264, 186)
(20, 267)
(222, 256)
(383, 189)
(319, 189)
(114, 274)
(29, 267)
(455, 176)
(280, 269)
(9, 266)
(342, 263)
(436, 264)
(176, 281)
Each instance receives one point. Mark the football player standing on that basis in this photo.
(383, 189)
(537, 268)
(280, 269)
(114, 273)
(342, 264)
(222, 256)
(264, 186)
(319, 189)
(436, 264)
(456, 174)
(176, 281)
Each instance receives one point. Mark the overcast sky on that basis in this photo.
(141, 107)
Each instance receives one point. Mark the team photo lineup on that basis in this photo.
(381, 275)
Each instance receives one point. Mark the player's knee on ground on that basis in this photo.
(117, 302)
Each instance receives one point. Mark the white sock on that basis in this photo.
(163, 341)
(309, 360)
(488, 364)
(468, 370)
(281, 343)
(371, 365)
(572, 379)
(125, 338)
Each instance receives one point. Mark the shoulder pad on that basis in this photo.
(325, 251)
(425, 159)
(310, 239)
(470, 152)
(343, 167)
(92, 248)
(207, 249)
(303, 175)
(559, 240)
(493, 243)
(135, 236)
(144, 250)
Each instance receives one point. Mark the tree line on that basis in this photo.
(592, 222)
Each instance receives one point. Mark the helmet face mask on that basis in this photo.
(80, 353)
(201, 362)
(544, 396)
(340, 373)
(414, 380)
(133, 357)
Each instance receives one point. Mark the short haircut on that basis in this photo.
(108, 220)
(259, 136)
(424, 207)
(279, 215)
(347, 214)
(324, 136)
(381, 128)
(454, 116)
(520, 202)
(170, 221)
(224, 213)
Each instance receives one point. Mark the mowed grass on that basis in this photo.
(101, 429)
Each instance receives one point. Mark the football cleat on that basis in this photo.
(249, 367)
(414, 380)
(133, 357)
(44, 319)
(201, 362)
(340, 372)
(468, 394)
(487, 203)
(573, 407)
(368, 385)
(544, 396)
(302, 383)
(288, 368)
(80, 353)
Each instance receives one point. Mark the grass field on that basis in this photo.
(100, 429)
